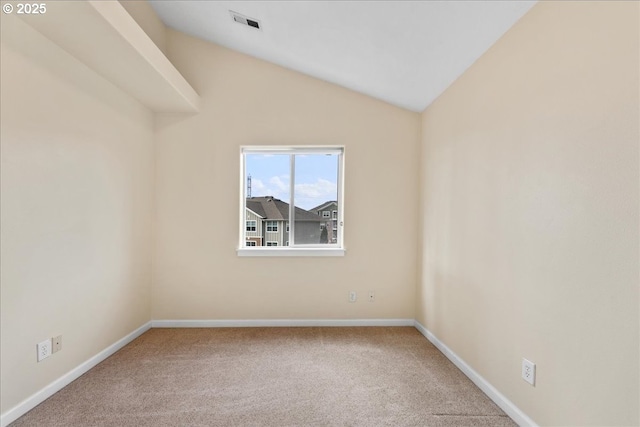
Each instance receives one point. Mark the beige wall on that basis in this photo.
(530, 214)
(148, 20)
(246, 101)
(76, 204)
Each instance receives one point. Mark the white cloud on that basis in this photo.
(278, 183)
(320, 191)
(276, 186)
(257, 186)
(308, 195)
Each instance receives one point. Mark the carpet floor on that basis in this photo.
(360, 376)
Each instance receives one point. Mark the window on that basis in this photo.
(288, 187)
(251, 225)
(272, 226)
(250, 243)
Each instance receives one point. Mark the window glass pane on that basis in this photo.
(267, 180)
(315, 192)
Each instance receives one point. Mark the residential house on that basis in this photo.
(328, 211)
(267, 223)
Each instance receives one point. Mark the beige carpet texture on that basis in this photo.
(353, 376)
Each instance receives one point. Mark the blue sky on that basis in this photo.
(316, 177)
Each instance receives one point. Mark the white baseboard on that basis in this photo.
(498, 398)
(37, 398)
(262, 323)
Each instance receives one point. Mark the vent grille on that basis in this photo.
(245, 20)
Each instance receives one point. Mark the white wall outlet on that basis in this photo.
(44, 350)
(372, 296)
(56, 344)
(353, 296)
(529, 371)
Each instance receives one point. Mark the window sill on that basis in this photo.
(291, 252)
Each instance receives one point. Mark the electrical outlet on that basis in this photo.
(44, 350)
(372, 296)
(353, 296)
(529, 371)
(56, 344)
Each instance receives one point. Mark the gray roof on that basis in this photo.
(324, 205)
(275, 209)
(256, 207)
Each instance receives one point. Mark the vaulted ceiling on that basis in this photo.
(402, 52)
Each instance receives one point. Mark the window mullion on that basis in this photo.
(292, 209)
(243, 201)
(340, 198)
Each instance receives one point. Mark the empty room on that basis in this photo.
(320, 213)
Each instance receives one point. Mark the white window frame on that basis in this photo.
(326, 214)
(274, 228)
(272, 243)
(323, 249)
(255, 225)
(247, 243)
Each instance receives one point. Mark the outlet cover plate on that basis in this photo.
(44, 349)
(353, 296)
(56, 344)
(529, 371)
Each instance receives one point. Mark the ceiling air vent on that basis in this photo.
(245, 20)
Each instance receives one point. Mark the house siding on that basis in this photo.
(257, 235)
(330, 222)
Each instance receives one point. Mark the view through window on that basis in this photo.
(292, 197)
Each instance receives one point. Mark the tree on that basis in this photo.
(324, 237)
